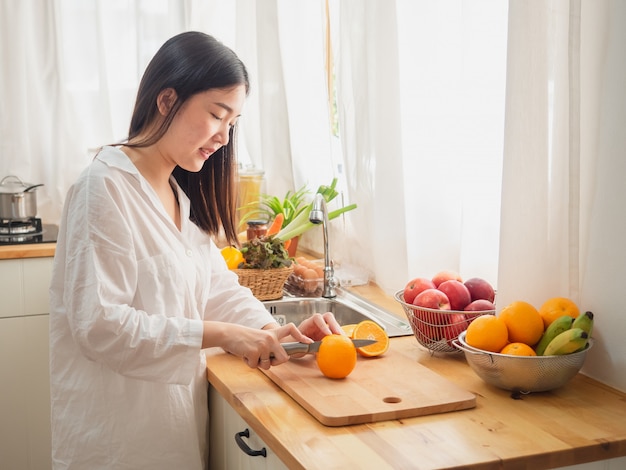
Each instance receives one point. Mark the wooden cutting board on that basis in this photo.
(391, 386)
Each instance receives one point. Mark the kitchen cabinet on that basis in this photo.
(224, 424)
(24, 286)
(25, 442)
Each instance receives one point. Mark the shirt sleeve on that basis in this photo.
(229, 301)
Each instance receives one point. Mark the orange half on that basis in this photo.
(349, 329)
(368, 329)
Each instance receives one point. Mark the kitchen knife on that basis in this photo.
(304, 348)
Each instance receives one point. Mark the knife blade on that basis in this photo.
(310, 348)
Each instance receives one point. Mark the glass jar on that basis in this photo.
(250, 189)
(256, 229)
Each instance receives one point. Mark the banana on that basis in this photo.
(567, 342)
(584, 322)
(555, 328)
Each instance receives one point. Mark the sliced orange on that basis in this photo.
(336, 357)
(368, 329)
(349, 329)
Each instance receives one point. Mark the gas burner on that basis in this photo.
(23, 232)
(20, 228)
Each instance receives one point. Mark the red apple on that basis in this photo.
(480, 305)
(415, 286)
(446, 275)
(480, 289)
(426, 328)
(458, 324)
(457, 293)
(432, 298)
(431, 325)
(477, 306)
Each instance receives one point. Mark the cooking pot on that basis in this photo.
(18, 200)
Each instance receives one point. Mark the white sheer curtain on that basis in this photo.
(421, 100)
(71, 69)
(563, 221)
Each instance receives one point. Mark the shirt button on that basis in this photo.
(189, 253)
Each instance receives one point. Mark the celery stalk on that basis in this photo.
(303, 224)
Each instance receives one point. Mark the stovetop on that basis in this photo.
(48, 234)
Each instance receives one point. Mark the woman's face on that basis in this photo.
(202, 126)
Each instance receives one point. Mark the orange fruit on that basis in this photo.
(557, 307)
(523, 322)
(488, 333)
(368, 329)
(232, 256)
(349, 329)
(518, 349)
(336, 357)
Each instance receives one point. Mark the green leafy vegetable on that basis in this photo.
(265, 253)
(290, 206)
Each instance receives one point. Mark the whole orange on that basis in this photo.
(518, 349)
(488, 333)
(336, 357)
(523, 322)
(557, 307)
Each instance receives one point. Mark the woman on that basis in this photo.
(138, 286)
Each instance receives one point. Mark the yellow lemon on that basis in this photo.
(232, 256)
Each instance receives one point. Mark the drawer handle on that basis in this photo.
(245, 447)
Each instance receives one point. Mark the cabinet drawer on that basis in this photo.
(225, 424)
(11, 275)
(36, 282)
(24, 285)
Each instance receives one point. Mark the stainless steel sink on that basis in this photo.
(347, 307)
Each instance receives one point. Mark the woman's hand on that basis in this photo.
(319, 325)
(262, 348)
(258, 348)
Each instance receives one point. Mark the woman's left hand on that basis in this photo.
(319, 325)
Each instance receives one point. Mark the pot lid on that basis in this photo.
(12, 184)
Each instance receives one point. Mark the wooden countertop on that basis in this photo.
(582, 422)
(35, 250)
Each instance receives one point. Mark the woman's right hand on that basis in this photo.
(258, 348)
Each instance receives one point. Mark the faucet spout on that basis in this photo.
(319, 215)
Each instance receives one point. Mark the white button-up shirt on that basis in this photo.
(128, 296)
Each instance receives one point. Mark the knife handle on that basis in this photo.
(295, 348)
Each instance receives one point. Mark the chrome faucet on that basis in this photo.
(319, 215)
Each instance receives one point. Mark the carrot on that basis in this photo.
(276, 224)
(287, 244)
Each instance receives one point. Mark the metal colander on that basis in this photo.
(523, 373)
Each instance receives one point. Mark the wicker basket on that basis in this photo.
(437, 329)
(265, 284)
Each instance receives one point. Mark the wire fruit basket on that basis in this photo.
(437, 329)
(523, 374)
(265, 284)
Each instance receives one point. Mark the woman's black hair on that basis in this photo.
(190, 63)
